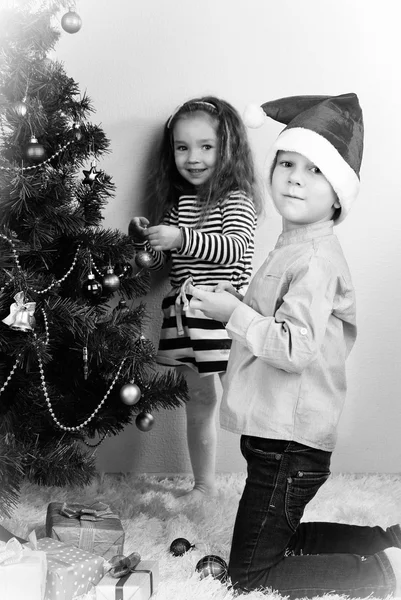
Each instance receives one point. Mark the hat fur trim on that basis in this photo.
(324, 155)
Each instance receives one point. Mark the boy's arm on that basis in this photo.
(290, 339)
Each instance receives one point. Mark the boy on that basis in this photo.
(291, 336)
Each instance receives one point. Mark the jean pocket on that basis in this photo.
(301, 488)
(261, 448)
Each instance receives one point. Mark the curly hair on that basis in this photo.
(234, 168)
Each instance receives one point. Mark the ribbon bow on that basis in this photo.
(95, 512)
(121, 565)
(11, 552)
(17, 308)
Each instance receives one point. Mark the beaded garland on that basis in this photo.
(56, 282)
(50, 407)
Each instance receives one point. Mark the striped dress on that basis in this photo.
(220, 250)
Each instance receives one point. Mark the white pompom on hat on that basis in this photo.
(328, 130)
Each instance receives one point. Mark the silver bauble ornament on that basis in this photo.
(71, 22)
(110, 281)
(144, 421)
(35, 151)
(143, 259)
(130, 394)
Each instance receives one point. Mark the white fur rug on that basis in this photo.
(152, 518)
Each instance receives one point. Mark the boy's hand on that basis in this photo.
(137, 228)
(228, 287)
(164, 237)
(219, 306)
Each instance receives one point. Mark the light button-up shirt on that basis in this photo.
(291, 336)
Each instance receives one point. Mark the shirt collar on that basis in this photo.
(306, 233)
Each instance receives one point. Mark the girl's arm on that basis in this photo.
(138, 230)
(228, 247)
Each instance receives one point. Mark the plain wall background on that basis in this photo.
(139, 60)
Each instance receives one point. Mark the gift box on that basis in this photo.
(22, 572)
(92, 528)
(140, 584)
(70, 570)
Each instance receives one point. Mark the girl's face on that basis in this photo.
(195, 147)
(300, 191)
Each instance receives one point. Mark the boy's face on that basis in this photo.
(300, 191)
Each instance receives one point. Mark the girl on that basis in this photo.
(205, 203)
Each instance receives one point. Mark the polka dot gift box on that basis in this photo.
(70, 571)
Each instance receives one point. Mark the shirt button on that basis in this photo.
(303, 330)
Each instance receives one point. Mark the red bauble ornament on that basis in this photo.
(110, 281)
(35, 151)
(180, 546)
(92, 289)
(71, 22)
(143, 259)
(130, 394)
(144, 421)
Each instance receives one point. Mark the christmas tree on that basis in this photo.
(75, 365)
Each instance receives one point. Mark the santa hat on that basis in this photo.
(328, 130)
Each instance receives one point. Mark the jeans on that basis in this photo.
(272, 549)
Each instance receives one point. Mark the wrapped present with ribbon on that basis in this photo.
(139, 584)
(21, 315)
(94, 528)
(70, 571)
(22, 571)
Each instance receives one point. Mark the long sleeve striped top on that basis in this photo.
(220, 250)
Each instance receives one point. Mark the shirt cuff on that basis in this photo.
(186, 241)
(240, 321)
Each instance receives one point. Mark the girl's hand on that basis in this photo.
(137, 228)
(228, 287)
(219, 306)
(164, 237)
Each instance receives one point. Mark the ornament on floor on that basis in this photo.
(34, 151)
(21, 317)
(180, 546)
(143, 259)
(144, 421)
(92, 289)
(123, 269)
(92, 175)
(110, 281)
(212, 565)
(71, 22)
(130, 394)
